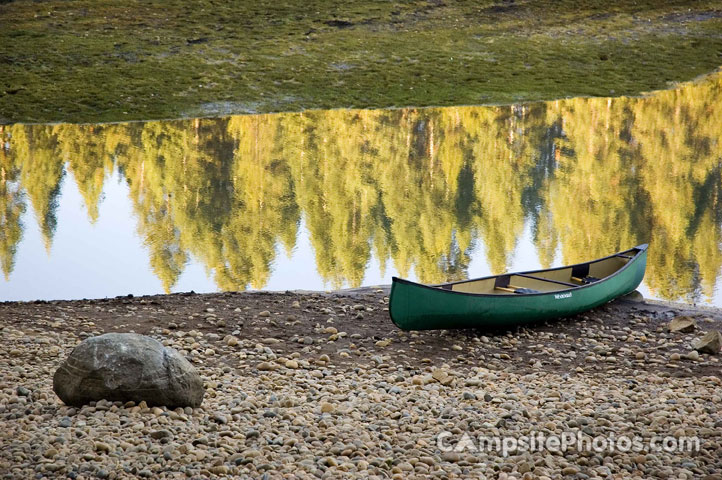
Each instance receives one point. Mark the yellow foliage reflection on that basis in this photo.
(417, 188)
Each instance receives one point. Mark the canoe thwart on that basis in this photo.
(559, 282)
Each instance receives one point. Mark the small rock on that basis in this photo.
(22, 391)
(418, 380)
(450, 457)
(570, 471)
(159, 434)
(291, 364)
(265, 366)
(682, 324)
(50, 453)
(693, 355)
(326, 407)
(101, 447)
(219, 470)
(264, 313)
(442, 376)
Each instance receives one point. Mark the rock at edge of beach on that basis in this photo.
(710, 343)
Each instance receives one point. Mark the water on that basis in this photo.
(330, 199)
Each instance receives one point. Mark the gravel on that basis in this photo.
(322, 394)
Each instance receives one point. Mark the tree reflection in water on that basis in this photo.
(416, 187)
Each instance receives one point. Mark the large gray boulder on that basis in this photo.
(127, 366)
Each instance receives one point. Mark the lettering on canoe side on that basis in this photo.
(563, 295)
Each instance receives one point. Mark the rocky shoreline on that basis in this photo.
(323, 385)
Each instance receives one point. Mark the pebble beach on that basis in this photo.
(323, 385)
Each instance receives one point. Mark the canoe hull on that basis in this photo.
(414, 306)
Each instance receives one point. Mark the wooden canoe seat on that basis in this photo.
(586, 280)
(515, 289)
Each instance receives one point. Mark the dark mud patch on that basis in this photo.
(354, 327)
(339, 24)
(683, 17)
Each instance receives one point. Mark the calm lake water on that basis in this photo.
(330, 199)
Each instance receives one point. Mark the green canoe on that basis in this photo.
(515, 298)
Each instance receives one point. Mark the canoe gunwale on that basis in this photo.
(640, 250)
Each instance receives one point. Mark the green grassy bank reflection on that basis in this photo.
(416, 187)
